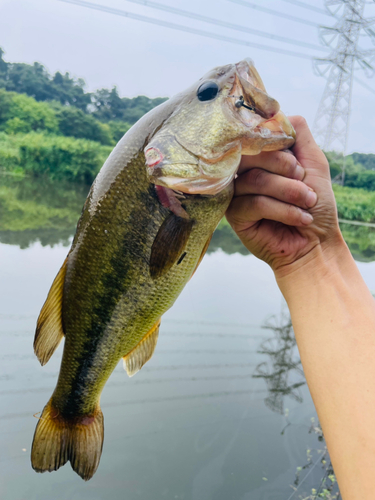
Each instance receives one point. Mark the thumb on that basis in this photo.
(306, 149)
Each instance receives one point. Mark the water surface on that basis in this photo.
(221, 411)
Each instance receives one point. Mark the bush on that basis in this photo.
(76, 160)
(20, 113)
(355, 204)
(364, 179)
(118, 129)
(74, 122)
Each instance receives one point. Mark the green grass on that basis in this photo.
(57, 157)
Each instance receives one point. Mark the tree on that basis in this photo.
(21, 113)
(109, 105)
(3, 69)
(75, 123)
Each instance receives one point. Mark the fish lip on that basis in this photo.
(246, 70)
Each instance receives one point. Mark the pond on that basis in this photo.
(221, 411)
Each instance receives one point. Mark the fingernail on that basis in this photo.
(306, 218)
(299, 172)
(311, 198)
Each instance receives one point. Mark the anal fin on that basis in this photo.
(49, 328)
(142, 352)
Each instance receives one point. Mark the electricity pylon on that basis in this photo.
(331, 124)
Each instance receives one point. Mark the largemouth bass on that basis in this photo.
(144, 229)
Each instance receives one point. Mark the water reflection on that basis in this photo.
(283, 375)
(361, 241)
(40, 210)
(282, 372)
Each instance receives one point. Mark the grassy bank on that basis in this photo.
(355, 204)
(56, 157)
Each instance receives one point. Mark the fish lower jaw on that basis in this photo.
(209, 186)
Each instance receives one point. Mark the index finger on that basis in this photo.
(277, 162)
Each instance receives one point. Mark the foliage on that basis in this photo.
(118, 129)
(35, 81)
(59, 158)
(336, 162)
(73, 122)
(328, 487)
(20, 113)
(359, 169)
(366, 160)
(355, 204)
(364, 179)
(109, 105)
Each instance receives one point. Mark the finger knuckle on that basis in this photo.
(287, 163)
(257, 178)
(300, 121)
(292, 215)
(294, 193)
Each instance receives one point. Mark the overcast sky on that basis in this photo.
(142, 58)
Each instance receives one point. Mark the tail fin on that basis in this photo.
(57, 440)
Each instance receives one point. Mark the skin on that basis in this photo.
(332, 310)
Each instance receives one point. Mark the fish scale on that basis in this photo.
(144, 228)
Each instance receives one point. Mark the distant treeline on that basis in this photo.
(50, 125)
(21, 114)
(359, 169)
(104, 104)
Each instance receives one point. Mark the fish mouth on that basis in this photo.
(265, 121)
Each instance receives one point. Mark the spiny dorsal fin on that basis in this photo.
(142, 352)
(49, 329)
(169, 244)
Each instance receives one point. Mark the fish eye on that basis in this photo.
(207, 91)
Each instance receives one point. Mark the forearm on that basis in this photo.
(333, 315)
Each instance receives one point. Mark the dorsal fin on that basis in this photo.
(49, 328)
(169, 244)
(142, 352)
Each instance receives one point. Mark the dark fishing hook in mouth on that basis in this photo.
(241, 103)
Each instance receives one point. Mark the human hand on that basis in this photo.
(280, 218)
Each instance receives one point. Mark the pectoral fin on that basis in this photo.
(49, 328)
(169, 244)
(142, 352)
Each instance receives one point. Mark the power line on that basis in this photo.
(307, 6)
(201, 32)
(217, 22)
(364, 85)
(275, 13)
(179, 27)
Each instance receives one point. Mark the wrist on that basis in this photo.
(326, 262)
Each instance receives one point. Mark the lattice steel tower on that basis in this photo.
(331, 124)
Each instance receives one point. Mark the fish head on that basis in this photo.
(198, 148)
